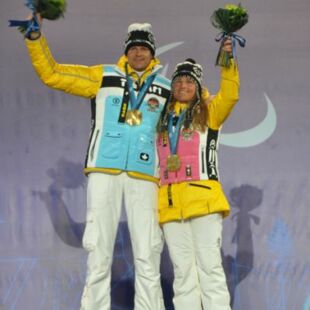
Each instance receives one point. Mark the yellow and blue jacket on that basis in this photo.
(114, 145)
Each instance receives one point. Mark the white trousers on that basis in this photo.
(194, 246)
(104, 201)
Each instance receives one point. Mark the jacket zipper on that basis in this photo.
(93, 147)
(170, 202)
(203, 160)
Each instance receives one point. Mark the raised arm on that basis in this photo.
(73, 79)
(220, 106)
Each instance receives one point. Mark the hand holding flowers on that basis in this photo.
(229, 19)
(48, 9)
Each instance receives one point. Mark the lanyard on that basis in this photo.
(174, 131)
(135, 102)
(234, 37)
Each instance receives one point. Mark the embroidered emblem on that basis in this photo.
(144, 156)
(187, 133)
(153, 104)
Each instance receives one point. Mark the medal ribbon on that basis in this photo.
(174, 131)
(124, 106)
(135, 102)
(234, 37)
(27, 26)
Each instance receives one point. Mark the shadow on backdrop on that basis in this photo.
(244, 198)
(66, 175)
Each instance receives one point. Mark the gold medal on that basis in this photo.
(173, 163)
(133, 117)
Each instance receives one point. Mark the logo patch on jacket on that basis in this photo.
(153, 104)
(187, 133)
(144, 156)
(116, 101)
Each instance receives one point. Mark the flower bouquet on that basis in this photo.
(229, 19)
(50, 9)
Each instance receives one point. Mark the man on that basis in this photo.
(121, 162)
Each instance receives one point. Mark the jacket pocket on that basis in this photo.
(112, 144)
(200, 185)
(145, 149)
(197, 195)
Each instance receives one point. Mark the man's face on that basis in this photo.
(139, 57)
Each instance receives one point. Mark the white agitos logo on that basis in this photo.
(247, 138)
(255, 135)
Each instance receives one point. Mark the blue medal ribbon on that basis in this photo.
(235, 38)
(174, 131)
(136, 101)
(27, 26)
(30, 4)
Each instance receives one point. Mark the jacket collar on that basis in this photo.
(152, 68)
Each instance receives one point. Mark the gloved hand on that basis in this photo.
(27, 27)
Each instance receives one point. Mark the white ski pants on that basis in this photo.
(105, 194)
(194, 247)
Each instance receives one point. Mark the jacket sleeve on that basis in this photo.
(224, 101)
(73, 79)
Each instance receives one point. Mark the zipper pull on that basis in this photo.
(170, 202)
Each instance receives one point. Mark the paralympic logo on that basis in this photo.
(247, 138)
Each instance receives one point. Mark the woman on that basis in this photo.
(191, 200)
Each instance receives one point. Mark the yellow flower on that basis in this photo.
(231, 6)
